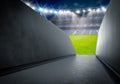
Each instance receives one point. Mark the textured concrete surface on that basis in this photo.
(108, 47)
(27, 37)
(71, 70)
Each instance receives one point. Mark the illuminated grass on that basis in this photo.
(84, 44)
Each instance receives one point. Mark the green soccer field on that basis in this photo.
(84, 44)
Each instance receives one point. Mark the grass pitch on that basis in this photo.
(84, 44)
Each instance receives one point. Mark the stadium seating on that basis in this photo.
(81, 31)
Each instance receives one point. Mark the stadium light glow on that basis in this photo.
(84, 10)
(33, 7)
(68, 11)
(28, 3)
(77, 11)
(55, 12)
(89, 9)
(46, 11)
(51, 11)
(40, 9)
(98, 10)
(103, 9)
(61, 12)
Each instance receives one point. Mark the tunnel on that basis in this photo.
(34, 51)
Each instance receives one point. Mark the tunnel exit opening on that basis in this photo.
(82, 29)
(80, 24)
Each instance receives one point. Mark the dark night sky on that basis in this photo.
(71, 4)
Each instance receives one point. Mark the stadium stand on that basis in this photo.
(81, 31)
(89, 24)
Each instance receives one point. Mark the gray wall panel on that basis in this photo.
(108, 47)
(27, 37)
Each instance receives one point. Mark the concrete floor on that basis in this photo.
(71, 70)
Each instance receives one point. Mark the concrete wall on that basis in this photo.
(108, 47)
(27, 37)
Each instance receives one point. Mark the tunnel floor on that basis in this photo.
(70, 70)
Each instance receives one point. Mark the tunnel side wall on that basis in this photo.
(27, 37)
(108, 46)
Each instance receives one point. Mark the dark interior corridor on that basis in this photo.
(35, 51)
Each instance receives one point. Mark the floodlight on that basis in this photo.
(89, 9)
(84, 10)
(51, 11)
(55, 12)
(46, 11)
(40, 9)
(77, 11)
(68, 11)
(98, 10)
(103, 9)
(61, 11)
